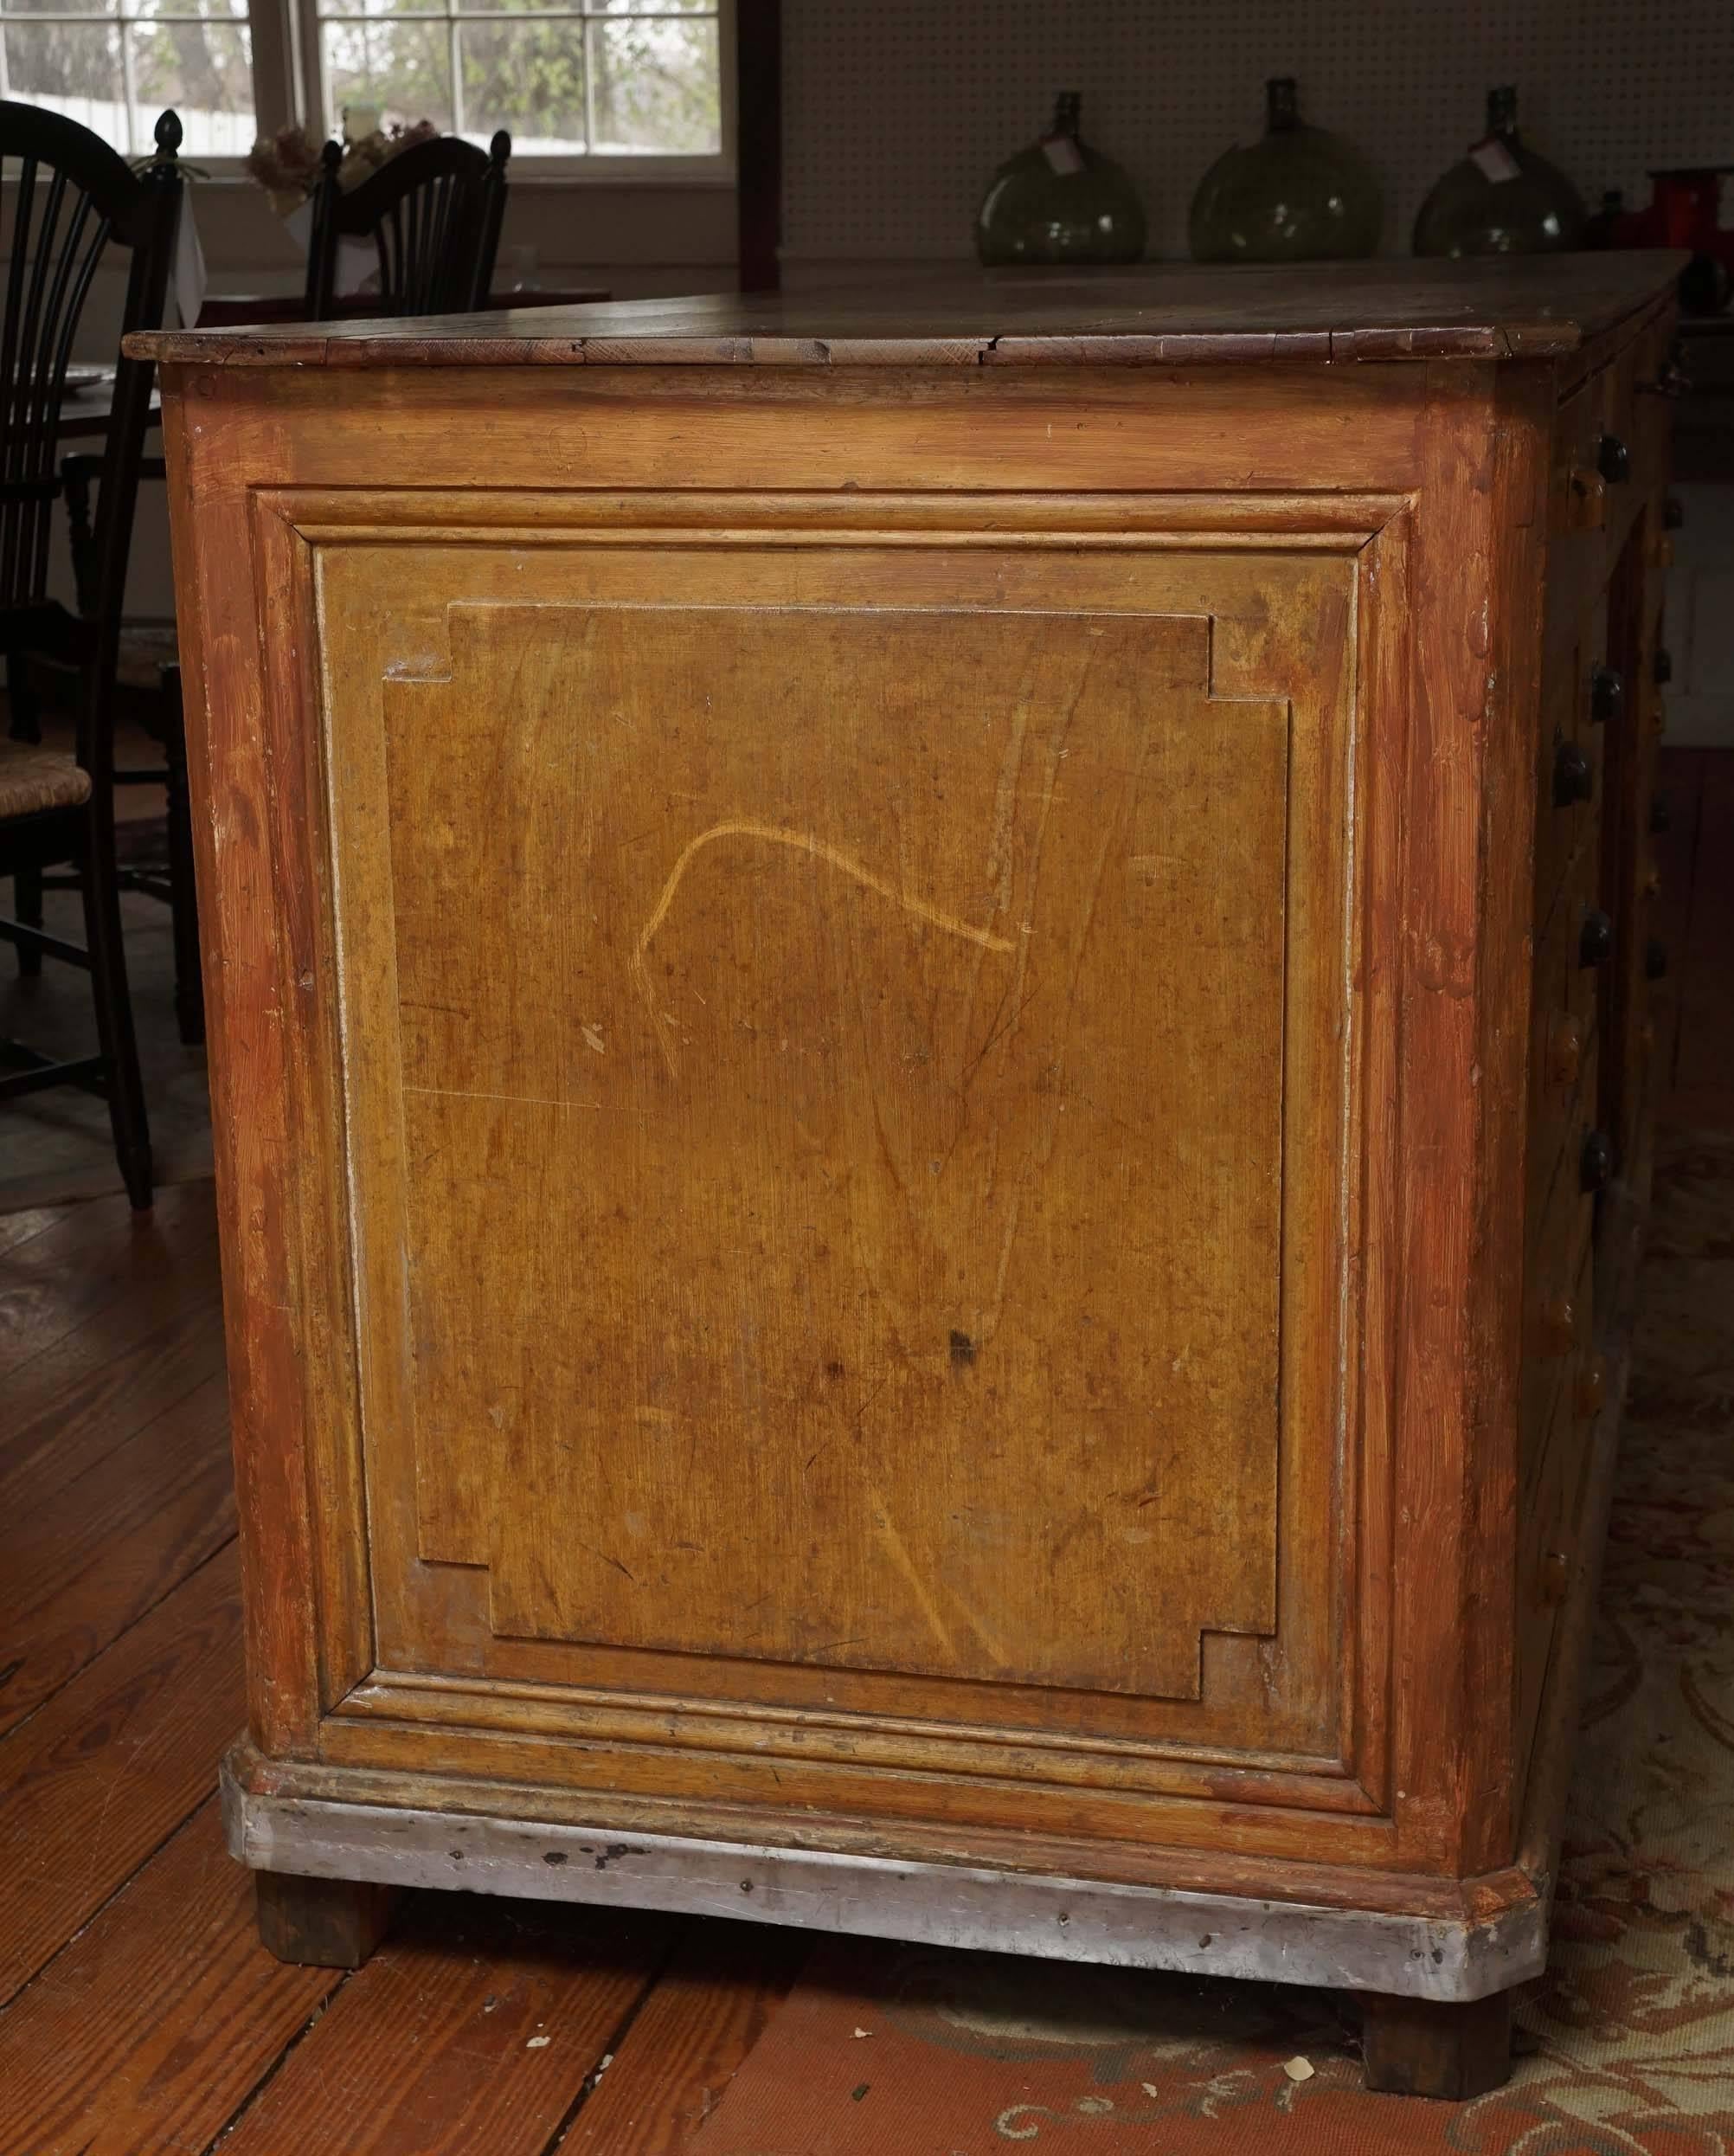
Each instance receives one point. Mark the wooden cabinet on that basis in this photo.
(912, 1013)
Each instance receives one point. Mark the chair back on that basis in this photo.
(434, 213)
(74, 196)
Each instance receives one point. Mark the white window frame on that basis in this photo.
(69, 16)
(288, 89)
(301, 19)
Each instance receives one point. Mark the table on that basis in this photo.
(929, 1048)
(227, 309)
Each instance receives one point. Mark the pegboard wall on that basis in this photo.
(897, 112)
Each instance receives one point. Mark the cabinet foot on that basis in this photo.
(322, 1923)
(1422, 2047)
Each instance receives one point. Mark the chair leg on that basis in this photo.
(114, 1008)
(190, 994)
(22, 725)
(27, 904)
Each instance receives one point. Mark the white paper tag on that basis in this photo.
(188, 279)
(357, 267)
(1063, 153)
(1494, 162)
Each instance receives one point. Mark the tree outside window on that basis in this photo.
(624, 80)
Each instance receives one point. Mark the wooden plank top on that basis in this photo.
(1538, 307)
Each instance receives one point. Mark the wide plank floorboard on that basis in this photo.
(91, 1783)
(722, 1984)
(92, 1414)
(474, 2030)
(75, 1296)
(149, 2032)
(77, 1570)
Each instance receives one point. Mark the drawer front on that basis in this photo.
(1650, 409)
(1617, 460)
(1558, 1323)
(1577, 520)
(1580, 697)
(1550, 1504)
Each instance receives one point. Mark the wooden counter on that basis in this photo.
(929, 1051)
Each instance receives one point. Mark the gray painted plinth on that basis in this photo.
(939, 1904)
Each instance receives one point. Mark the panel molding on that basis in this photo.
(323, 527)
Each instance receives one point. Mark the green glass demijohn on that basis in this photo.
(1059, 201)
(1299, 196)
(1502, 199)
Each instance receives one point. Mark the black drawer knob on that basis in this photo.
(1674, 512)
(1607, 693)
(1662, 666)
(1595, 1162)
(1612, 460)
(1672, 380)
(1659, 818)
(1596, 939)
(1655, 959)
(1573, 780)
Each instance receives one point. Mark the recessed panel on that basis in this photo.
(841, 1060)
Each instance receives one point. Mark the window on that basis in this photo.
(591, 83)
(569, 77)
(113, 64)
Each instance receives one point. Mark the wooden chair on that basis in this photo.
(72, 198)
(434, 214)
(147, 692)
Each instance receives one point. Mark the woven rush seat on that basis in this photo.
(34, 779)
(145, 648)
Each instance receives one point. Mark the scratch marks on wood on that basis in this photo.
(804, 842)
(900, 1557)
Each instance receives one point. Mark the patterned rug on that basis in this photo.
(1627, 2045)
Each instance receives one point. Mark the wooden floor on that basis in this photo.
(140, 2013)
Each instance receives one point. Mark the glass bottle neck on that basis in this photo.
(1066, 107)
(1502, 112)
(1281, 104)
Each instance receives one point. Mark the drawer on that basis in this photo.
(1551, 1493)
(1617, 457)
(1567, 975)
(1562, 1109)
(1577, 516)
(1651, 410)
(1581, 694)
(1558, 1292)
(1551, 1463)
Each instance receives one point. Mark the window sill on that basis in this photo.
(229, 175)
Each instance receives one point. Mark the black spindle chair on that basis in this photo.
(72, 199)
(434, 214)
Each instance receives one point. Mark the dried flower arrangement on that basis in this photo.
(287, 164)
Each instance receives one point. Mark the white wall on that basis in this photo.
(898, 111)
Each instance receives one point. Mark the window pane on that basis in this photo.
(528, 76)
(13, 8)
(649, 7)
(378, 8)
(205, 71)
(521, 7)
(657, 87)
(204, 10)
(403, 67)
(72, 68)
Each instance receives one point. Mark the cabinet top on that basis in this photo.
(1538, 307)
